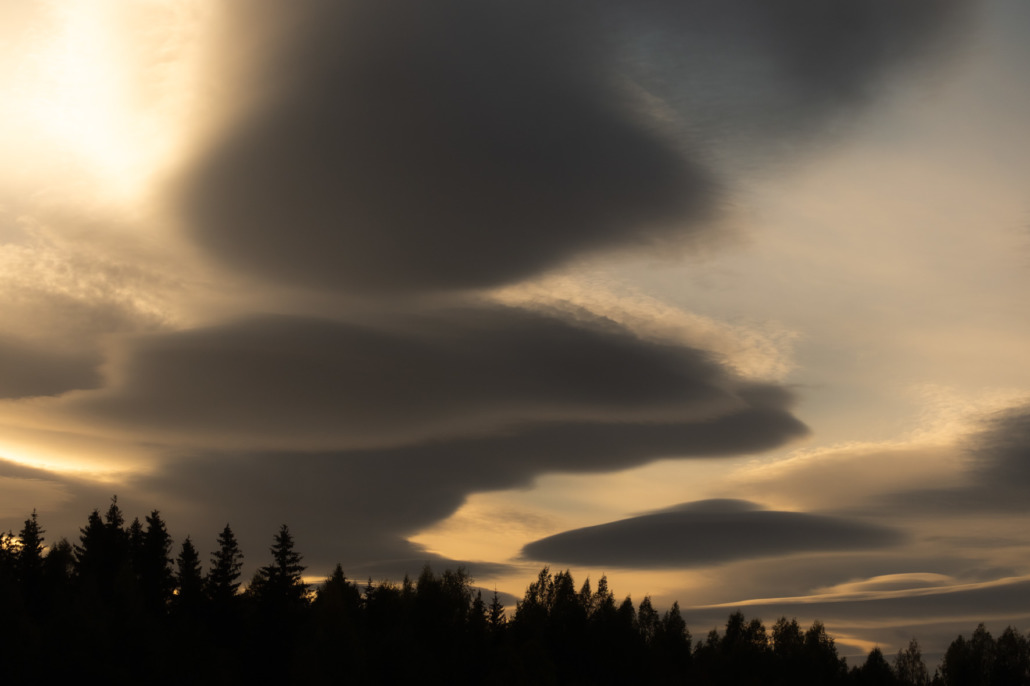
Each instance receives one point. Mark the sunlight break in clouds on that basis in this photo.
(95, 91)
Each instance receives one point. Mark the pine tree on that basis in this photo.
(113, 517)
(223, 578)
(338, 594)
(30, 553)
(188, 576)
(134, 535)
(155, 565)
(281, 583)
(8, 558)
(496, 617)
(477, 621)
(92, 539)
(102, 557)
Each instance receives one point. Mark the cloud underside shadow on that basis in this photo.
(362, 504)
(359, 506)
(28, 371)
(997, 459)
(463, 144)
(706, 533)
(302, 383)
(395, 421)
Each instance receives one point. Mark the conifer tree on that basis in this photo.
(102, 557)
(155, 565)
(496, 617)
(8, 558)
(113, 517)
(92, 538)
(135, 535)
(188, 576)
(30, 552)
(337, 593)
(223, 577)
(477, 620)
(281, 583)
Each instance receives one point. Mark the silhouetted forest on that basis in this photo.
(121, 606)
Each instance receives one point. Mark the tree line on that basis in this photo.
(118, 606)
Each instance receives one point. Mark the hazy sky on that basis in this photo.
(725, 299)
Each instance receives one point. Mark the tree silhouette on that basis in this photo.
(155, 565)
(1012, 659)
(102, 557)
(29, 566)
(496, 618)
(909, 667)
(188, 577)
(223, 577)
(91, 624)
(875, 671)
(280, 583)
(113, 517)
(823, 663)
(8, 566)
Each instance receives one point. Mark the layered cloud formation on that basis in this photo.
(316, 383)
(366, 177)
(704, 533)
(462, 144)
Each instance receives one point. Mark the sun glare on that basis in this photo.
(91, 90)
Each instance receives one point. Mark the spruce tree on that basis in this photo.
(223, 577)
(155, 565)
(281, 583)
(30, 553)
(188, 577)
(496, 617)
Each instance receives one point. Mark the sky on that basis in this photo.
(724, 300)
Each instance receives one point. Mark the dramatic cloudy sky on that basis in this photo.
(725, 299)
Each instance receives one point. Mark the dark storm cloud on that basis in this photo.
(706, 532)
(302, 382)
(998, 478)
(466, 144)
(27, 370)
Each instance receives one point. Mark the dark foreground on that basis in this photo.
(116, 608)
